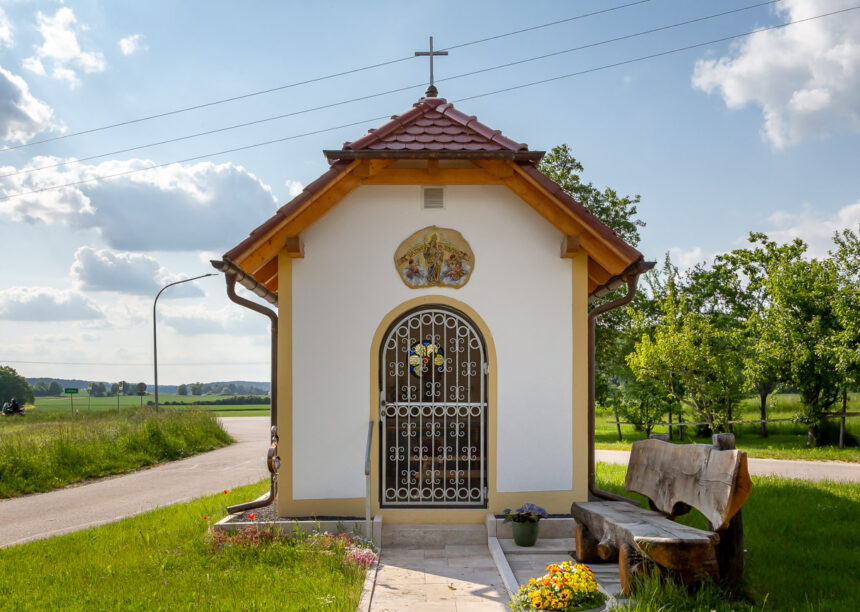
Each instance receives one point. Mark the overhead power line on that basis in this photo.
(384, 93)
(482, 95)
(314, 80)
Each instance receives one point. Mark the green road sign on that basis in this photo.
(71, 390)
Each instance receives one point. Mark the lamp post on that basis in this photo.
(155, 337)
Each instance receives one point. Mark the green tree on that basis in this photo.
(40, 389)
(182, 389)
(197, 388)
(612, 333)
(733, 292)
(619, 213)
(846, 258)
(55, 389)
(645, 403)
(801, 335)
(14, 385)
(225, 390)
(693, 360)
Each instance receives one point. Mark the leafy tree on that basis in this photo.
(612, 334)
(99, 389)
(733, 292)
(14, 385)
(646, 403)
(619, 213)
(225, 390)
(55, 389)
(693, 360)
(197, 388)
(801, 334)
(846, 259)
(182, 390)
(114, 387)
(40, 389)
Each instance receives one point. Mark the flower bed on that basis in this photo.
(566, 586)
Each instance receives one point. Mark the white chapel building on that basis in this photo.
(432, 289)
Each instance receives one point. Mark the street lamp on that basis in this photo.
(155, 338)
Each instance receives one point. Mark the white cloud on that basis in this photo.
(131, 44)
(204, 206)
(294, 188)
(21, 115)
(124, 272)
(687, 258)
(46, 304)
(812, 227)
(197, 320)
(805, 77)
(61, 48)
(6, 39)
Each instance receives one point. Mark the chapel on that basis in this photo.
(431, 346)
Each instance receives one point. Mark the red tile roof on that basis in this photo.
(433, 124)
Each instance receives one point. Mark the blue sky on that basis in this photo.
(756, 134)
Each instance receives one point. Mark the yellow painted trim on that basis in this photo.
(492, 385)
(285, 382)
(554, 501)
(579, 375)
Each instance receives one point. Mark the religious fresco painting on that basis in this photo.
(434, 257)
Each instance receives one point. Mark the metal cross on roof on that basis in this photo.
(431, 91)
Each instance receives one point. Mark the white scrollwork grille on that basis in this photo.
(433, 413)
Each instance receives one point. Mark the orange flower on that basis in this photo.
(205, 517)
(226, 491)
(252, 516)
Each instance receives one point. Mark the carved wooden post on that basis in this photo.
(663, 437)
(586, 545)
(730, 549)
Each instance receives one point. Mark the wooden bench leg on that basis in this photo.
(586, 545)
(629, 566)
(730, 551)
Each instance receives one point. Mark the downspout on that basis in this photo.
(231, 274)
(632, 279)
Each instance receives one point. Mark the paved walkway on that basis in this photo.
(787, 468)
(453, 578)
(43, 515)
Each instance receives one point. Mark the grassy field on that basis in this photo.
(83, 403)
(785, 440)
(164, 560)
(46, 450)
(801, 541)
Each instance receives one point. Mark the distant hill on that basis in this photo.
(249, 387)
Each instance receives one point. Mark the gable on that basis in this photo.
(435, 144)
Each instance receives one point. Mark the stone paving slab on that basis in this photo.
(456, 577)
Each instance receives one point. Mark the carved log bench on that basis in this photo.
(674, 478)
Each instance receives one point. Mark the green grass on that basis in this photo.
(801, 540)
(44, 451)
(163, 560)
(785, 440)
(83, 403)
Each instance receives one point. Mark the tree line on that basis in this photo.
(754, 320)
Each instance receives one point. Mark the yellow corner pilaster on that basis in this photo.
(579, 378)
(285, 382)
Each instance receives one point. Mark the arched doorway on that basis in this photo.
(433, 410)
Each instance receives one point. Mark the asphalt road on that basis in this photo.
(787, 468)
(43, 515)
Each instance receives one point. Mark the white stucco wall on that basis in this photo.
(347, 283)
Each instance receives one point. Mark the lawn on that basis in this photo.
(46, 450)
(785, 440)
(82, 403)
(164, 560)
(801, 540)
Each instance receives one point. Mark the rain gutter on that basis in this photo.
(234, 274)
(631, 277)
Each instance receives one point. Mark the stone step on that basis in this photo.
(550, 528)
(543, 546)
(431, 536)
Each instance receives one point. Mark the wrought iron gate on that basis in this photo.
(433, 411)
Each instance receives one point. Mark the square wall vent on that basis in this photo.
(434, 197)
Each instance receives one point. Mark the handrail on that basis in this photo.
(367, 526)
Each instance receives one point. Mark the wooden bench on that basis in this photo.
(674, 478)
